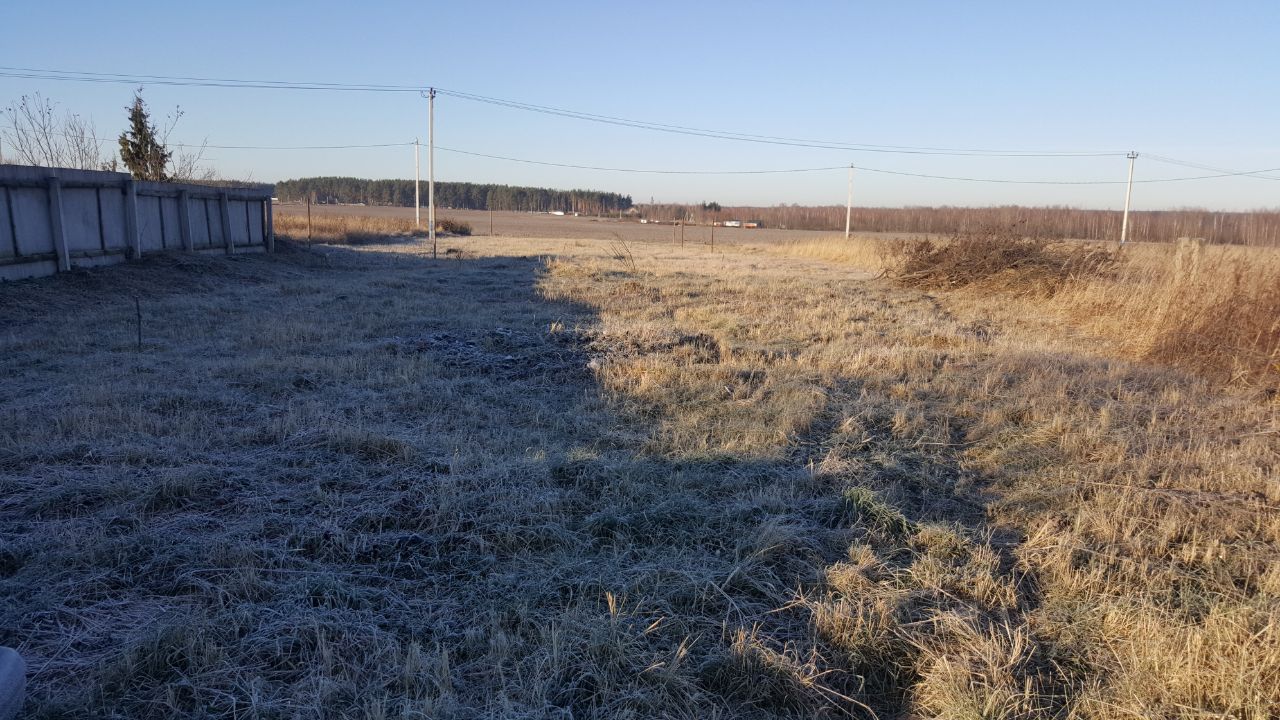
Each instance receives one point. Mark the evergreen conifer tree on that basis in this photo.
(140, 148)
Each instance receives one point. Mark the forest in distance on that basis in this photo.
(1261, 227)
(460, 195)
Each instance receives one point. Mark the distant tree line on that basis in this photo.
(1238, 228)
(462, 195)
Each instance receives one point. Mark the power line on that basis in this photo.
(119, 78)
(110, 141)
(768, 171)
(767, 139)
(1198, 166)
(292, 147)
(1067, 182)
(639, 170)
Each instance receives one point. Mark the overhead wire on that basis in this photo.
(86, 76)
(1198, 166)
(768, 139)
(654, 171)
(178, 80)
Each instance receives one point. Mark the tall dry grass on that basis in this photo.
(356, 229)
(1211, 308)
(867, 252)
(564, 479)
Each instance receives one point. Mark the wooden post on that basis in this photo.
(309, 216)
(490, 222)
(681, 235)
(133, 234)
(713, 234)
(57, 225)
(184, 220)
(225, 206)
(269, 231)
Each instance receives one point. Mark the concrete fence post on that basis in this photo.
(133, 233)
(224, 205)
(269, 232)
(57, 225)
(13, 683)
(184, 220)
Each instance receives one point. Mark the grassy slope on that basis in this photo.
(676, 484)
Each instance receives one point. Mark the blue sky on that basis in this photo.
(1195, 81)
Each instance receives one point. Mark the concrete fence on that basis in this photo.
(54, 219)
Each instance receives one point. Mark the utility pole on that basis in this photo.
(848, 207)
(1128, 194)
(417, 179)
(431, 167)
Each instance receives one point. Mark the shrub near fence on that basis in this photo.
(54, 219)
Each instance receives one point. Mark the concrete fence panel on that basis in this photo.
(7, 240)
(55, 219)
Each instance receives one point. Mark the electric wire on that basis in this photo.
(178, 80)
(763, 171)
(86, 76)
(768, 139)
(83, 76)
(1198, 166)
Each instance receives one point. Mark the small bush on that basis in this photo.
(1001, 257)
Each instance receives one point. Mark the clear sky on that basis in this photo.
(1196, 81)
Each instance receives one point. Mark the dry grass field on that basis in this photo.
(531, 225)
(598, 477)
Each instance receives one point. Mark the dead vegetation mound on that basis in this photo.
(999, 258)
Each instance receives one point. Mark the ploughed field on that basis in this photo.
(593, 476)
(542, 225)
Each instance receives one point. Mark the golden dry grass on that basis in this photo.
(356, 229)
(563, 479)
(867, 252)
(1215, 309)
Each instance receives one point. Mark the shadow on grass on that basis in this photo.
(349, 483)
(357, 483)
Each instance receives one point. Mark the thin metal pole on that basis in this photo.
(848, 207)
(1128, 195)
(417, 179)
(431, 167)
